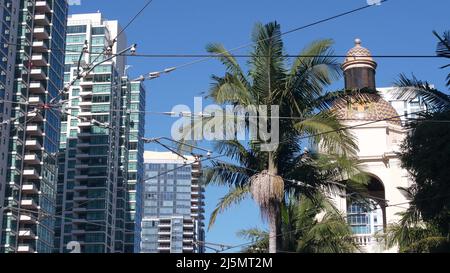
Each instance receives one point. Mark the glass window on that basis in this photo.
(76, 38)
(76, 29)
(98, 30)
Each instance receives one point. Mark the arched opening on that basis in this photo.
(367, 216)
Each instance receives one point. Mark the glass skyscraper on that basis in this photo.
(100, 163)
(172, 204)
(32, 67)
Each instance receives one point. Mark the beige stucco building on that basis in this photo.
(379, 132)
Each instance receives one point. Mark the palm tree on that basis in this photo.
(309, 226)
(412, 233)
(443, 49)
(410, 87)
(297, 89)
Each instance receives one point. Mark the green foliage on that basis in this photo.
(308, 226)
(426, 153)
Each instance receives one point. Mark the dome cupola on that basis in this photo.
(359, 68)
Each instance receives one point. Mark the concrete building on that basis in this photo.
(101, 152)
(32, 67)
(378, 145)
(172, 204)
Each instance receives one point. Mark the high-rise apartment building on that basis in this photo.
(101, 151)
(32, 65)
(172, 204)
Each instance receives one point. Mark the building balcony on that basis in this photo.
(41, 33)
(82, 166)
(32, 159)
(365, 240)
(82, 155)
(164, 225)
(80, 198)
(27, 233)
(164, 240)
(85, 93)
(33, 144)
(164, 247)
(85, 103)
(79, 209)
(79, 221)
(39, 60)
(36, 116)
(34, 130)
(83, 144)
(38, 74)
(78, 231)
(41, 19)
(164, 232)
(86, 83)
(37, 87)
(34, 100)
(40, 46)
(30, 189)
(188, 248)
(80, 187)
(85, 114)
(84, 124)
(28, 204)
(27, 219)
(25, 249)
(31, 173)
(42, 7)
(81, 176)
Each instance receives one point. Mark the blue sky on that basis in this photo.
(397, 27)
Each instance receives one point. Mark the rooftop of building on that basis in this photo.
(166, 157)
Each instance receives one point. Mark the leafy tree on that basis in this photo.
(425, 225)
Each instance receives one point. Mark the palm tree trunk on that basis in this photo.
(273, 236)
(274, 213)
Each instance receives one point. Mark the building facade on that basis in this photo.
(172, 204)
(377, 123)
(32, 65)
(100, 162)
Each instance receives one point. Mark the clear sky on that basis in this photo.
(397, 27)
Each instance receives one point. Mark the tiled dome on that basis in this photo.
(369, 108)
(358, 56)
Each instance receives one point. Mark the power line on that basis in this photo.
(133, 19)
(283, 33)
(285, 56)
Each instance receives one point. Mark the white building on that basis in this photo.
(379, 134)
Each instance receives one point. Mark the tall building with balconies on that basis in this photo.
(32, 67)
(100, 163)
(172, 204)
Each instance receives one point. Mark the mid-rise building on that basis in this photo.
(101, 151)
(32, 66)
(172, 204)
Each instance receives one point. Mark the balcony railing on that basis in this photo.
(42, 7)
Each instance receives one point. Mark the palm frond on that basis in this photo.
(234, 196)
(328, 100)
(267, 62)
(329, 134)
(408, 88)
(230, 89)
(229, 61)
(308, 75)
(222, 173)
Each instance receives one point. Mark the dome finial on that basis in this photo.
(358, 42)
